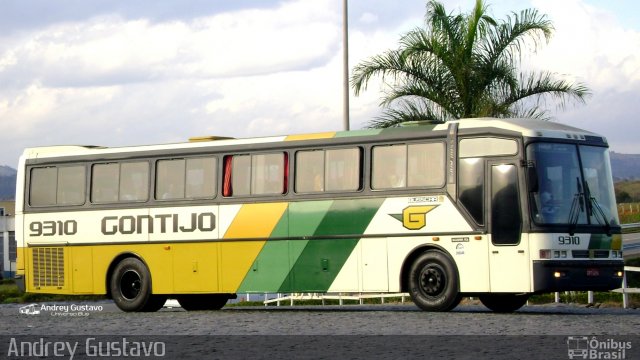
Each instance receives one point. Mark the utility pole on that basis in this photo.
(345, 64)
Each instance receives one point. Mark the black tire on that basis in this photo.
(130, 286)
(504, 303)
(155, 303)
(201, 302)
(433, 282)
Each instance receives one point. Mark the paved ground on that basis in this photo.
(553, 319)
(631, 245)
(353, 331)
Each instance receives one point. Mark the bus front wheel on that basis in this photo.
(130, 286)
(433, 282)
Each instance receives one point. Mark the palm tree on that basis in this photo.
(465, 65)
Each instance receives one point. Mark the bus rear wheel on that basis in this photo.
(130, 286)
(504, 303)
(198, 302)
(433, 282)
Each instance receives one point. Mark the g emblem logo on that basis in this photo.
(415, 217)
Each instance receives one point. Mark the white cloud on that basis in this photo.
(112, 81)
(368, 18)
(115, 80)
(106, 50)
(589, 44)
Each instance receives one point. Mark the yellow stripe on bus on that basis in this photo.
(616, 242)
(253, 221)
(324, 135)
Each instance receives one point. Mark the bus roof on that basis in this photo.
(527, 127)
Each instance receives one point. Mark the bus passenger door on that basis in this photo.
(508, 251)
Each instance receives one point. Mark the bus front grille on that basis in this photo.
(48, 267)
(593, 254)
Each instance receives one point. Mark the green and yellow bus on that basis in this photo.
(494, 208)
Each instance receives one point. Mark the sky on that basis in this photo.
(122, 72)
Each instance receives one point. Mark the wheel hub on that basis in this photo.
(130, 284)
(432, 280)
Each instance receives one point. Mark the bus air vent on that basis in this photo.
(600, 254)
(595, 139)
(48, 267)
(580, 254)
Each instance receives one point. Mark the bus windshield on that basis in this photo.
(574, 187)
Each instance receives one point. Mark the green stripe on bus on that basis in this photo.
(600, 242)
(322, 259)
(271, 269)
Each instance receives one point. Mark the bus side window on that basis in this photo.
(104, 182)
(201, 177)
(170, 179)
(471, 187)
(309, 171)
(134, 181)
(43, 183)
(342, 170)
(389, 167)
(506, 220)
(124, 182)
(226, 181)
(193, 178)
(71, 185)
(426, 164)
(259, 174)
(413, 165)
(267, 174)
(241, 175)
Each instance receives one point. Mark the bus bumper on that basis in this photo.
(579, 275)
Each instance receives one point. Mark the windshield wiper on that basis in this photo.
(577, 206)
(592, 205)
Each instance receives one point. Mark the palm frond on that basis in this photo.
(466, 65)
(405, 111)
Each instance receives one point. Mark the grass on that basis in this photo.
(9, 293)
(632, 188)
(629, 218)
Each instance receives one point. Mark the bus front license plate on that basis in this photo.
(593, 272)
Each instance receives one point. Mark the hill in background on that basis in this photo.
(625, 166)
(7, 183)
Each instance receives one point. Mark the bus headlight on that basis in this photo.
(559, 274)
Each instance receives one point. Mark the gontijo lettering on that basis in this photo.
(161, 223)
(129, 224)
